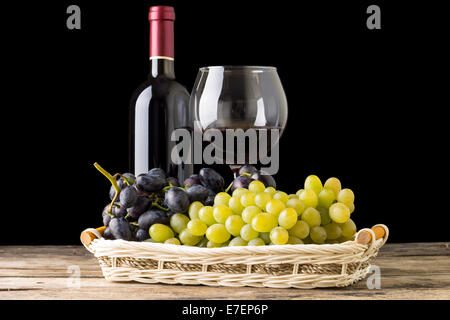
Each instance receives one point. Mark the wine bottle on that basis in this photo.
(159, 105)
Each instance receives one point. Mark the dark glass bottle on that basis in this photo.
(160, 105)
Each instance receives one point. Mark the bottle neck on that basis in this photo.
(162, 47)
(162, 67)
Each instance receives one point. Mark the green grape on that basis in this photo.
(279, 235)
(297, 205)
(318, 234)
(248, 199)
(294, 240)
(264, 222)
(346, 197)
(274, 207)
(270, 190)
(345, 239)
(238, 241)
(206, 214)
(234, 224)
(197, 227)
(265, 236)
(351, 207)
(226, 243)
(217, 233)
(262, 198)
(333, 230)
(326, 198)
(312, 217)
(324, 216)
(348, 228)
(287, 218)
(256, 242)
(221, 198)
(309, 198)
(211, 244)
(299, 230)
(221, 213)
(172, 241)
(331, 241)
(339, 212)
(333, 184)
(178, 222)
(194, 208)
(248, 233)
(256, 186)
(249, 213)
(299, 192)
(160, 232)
(188, 238)
(293, 196)
(313, 182)
(235, 205)
(282, 196)
(307, 240)
(202, 243)
(239, 192)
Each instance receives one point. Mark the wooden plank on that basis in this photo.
(56, 288)
(408, 271)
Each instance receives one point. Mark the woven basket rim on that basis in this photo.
(348, 247)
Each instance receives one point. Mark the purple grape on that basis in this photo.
(107, 234)
(210, 179)
(268, 180)
(249, 169)
(150, 183)
(131, 179)
(241, 182)
(150, 217)
(117, 210)
(120, 228)
(128, 197)
(173, 181)
(192, 180)
(177, 200)
(140, 206)
(197, 193)
(105, 216)
(209, 201)
(157, 172)
(142, 235)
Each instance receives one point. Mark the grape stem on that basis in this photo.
(229, 187)
(128, 181)
(113, 181)
(167, 187)
(154, 204)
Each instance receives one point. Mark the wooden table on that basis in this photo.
(408, 271)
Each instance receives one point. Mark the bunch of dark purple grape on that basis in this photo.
(249, 173)
(139, 202)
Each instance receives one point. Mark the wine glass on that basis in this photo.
(239, 97)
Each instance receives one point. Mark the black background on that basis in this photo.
(366, 106)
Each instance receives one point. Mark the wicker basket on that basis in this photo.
(276, 266)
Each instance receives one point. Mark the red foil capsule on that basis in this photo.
(161, 31)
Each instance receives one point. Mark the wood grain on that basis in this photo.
(408, 271)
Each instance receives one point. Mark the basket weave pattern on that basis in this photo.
(278, 266)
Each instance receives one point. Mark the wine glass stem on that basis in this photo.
(235, 169)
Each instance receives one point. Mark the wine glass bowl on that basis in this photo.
(239, 97)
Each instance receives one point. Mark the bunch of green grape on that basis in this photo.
(254, 216)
